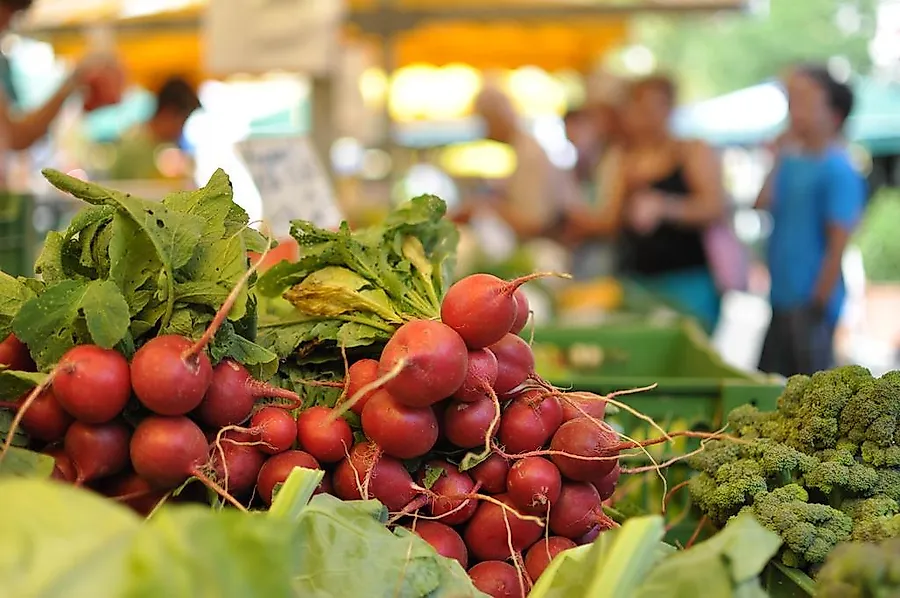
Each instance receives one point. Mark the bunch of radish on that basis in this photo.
(460, 439)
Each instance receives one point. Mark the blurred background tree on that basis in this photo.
(724, 52)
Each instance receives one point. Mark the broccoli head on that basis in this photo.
(872, 414)
(838, 470)
(880, 456)
(888, 482)
(749, 422)
(779, 462)
(790, 402)
(861, 570)
(714, 455)
(809, 530)
(724, 494)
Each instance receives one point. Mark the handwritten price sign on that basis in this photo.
(291, 182)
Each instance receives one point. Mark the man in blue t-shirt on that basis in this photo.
(816, 198)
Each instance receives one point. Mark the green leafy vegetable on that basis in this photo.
(14, 384)
(14, 293)
(23, 463)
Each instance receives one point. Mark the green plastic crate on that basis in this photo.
(694, 390)
(17, 234)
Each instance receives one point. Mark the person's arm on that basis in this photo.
(845, 197)
(606, 220)
(24, 130)
(527, 205)
(706, 202)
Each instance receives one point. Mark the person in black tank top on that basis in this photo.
(661, 194)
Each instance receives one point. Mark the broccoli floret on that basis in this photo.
(839, 471)
(721, 496)
(880, 456)
(888, 483)
(791, 400)
(809, 530)
(874, 519)
(749, 422)
(714, 455)
(861, 570)
(779, 462)
(872, 414)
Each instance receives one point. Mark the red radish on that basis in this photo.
(480, 377)
(135, 492)
(236, 463)
(429, 362)
(389, 482)
(169, 377)
(466, 424)
(360, 374)
(97, 451)
(486, 534)
(15, 356)
(401, 431)
(591, 535)
(92, 383)
(233, 393)
(166, 451)
(606, 486)
(63, 469)
(533, 484)
(523, 311)
(497, 579)
(326, 439)
(515, 363)
(573, 408)
(539, 556)
(492, 474)
(444, 539)
(277, 469)
(45, 419)
(326, 486)
(482, 308)
(527, 424)
(577, 511)
(452, 483)
(276, 429)
(585, 438)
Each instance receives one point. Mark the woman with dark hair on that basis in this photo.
(661, 195)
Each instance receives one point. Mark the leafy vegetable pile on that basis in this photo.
(822, 469)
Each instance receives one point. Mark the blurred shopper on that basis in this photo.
(661, 196)
(817, 199)
(533, 199)
(136, 152)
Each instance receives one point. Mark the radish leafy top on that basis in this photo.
(128, 269)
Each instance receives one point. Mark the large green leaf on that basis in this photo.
(22, 463)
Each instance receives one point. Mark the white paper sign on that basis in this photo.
(291, 182)
(258, 36)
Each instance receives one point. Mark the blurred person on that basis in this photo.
(817, 199)
(136, 151)
(661, 195)
(532, 199)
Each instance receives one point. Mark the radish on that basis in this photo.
(233, 393)
(92, 383)
(45, 419)
(585, 438)
(166, 451)
(97, 451)
(401, 431)
(523, 311)
(515, 363)
(466, 424)
(63, 468)
(323, 437)
(276, 429)
(492, 473)
(592, 535)
(236, 463)
(444, 539)
(482, 308)
(360, 374)
(134, 491)
(606, 486)
(423, 363)
(452, 483)
(15, 356)
(539, 556)
(575, 407)
(533, 484)
(528, 422)
(497, 579)
(486, 532)
(277, 469)
(170, 374)
(388, 480)
(577, 511)
(480, 377)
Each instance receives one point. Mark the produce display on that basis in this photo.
(822, 469)
(859, 570)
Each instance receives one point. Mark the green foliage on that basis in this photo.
(69, 542)
(724, 52)
(877, 238)
(861, 570)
